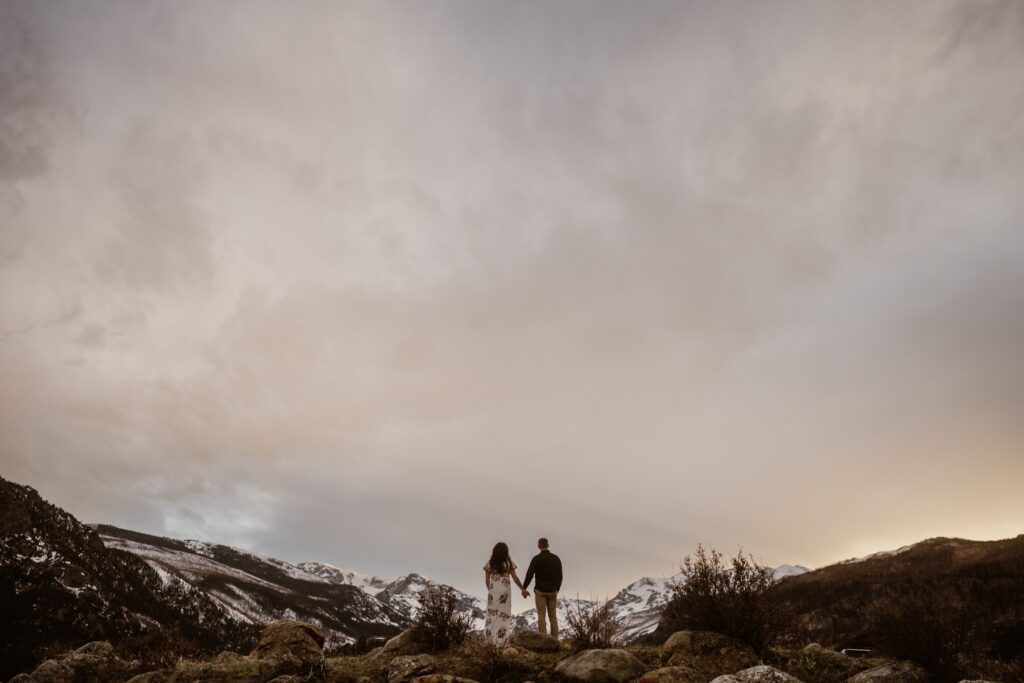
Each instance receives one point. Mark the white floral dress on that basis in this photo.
(498, 623)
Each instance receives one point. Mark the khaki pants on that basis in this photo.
(546, 602)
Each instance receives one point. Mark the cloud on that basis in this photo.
(419, 277)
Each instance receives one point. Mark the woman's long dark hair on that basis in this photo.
(500, 561)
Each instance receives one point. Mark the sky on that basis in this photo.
(381, 284)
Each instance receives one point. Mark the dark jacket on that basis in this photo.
(548, 569)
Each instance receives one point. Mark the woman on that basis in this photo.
(499, 572)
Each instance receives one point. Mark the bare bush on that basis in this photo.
(591, 625)
(734, 599)
(492, 662)
(438, 622)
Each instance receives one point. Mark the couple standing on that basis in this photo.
(500, 571)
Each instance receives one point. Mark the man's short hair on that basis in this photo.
(542, 543)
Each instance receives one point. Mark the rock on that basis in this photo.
(290, 638)
(673, 674)
(519, 656)
(20, 678)
(536, 641)
(404, 668)
(817, 663)
(765, 674)
(91, 662)
(899, 672)
(153, 677)
(441, 678)
(337, 670)
(291, 678)
(728, 678)
(227, 657)
(710, 654)
(289, 665)
(601, 666)
(99, 648)
(52, 671)
(408, 642)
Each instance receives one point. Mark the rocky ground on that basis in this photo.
(292, 652)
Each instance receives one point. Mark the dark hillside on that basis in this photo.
(952, 605)
(60, 586)
(982, 581)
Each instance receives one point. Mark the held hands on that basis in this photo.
(526, 593)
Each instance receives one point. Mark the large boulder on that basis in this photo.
(764, 674)
(441, 678)
(535, 641)
(674, 674)
(408, 642)
(99, 648)
(404, 668)
(710, 654)
(822, 665)
(95, 662)
(601, 666)
(898, 672)
(290, 638)
(153, 677)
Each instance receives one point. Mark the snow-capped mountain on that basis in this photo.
(639, 605)
(786, 570)
(371, 584)
(255, 589)
(401, 594)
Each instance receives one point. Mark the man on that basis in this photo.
(548, 569)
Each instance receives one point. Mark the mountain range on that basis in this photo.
(63, 583)
(72, 581)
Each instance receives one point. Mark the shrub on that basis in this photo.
(915, 626)
(733, 599)
(438, 622)
(591, 625)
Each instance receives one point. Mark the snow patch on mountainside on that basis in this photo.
(191, 566)
(872, 556)
(786, 570)
(254, 589)
(346, 577)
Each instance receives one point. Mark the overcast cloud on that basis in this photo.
(381, 284)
